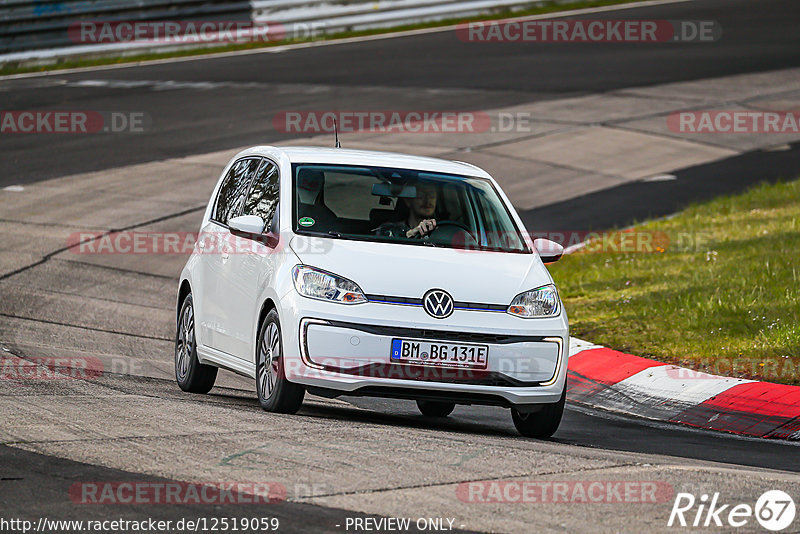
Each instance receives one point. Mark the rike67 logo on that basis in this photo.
(774, 510)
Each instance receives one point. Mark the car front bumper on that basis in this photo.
(341, 349)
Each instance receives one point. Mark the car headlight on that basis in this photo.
(320, 285)
(539, 302)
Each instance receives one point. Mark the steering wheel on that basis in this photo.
(446, 231)
(464, 227)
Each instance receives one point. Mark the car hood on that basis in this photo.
(410, 271)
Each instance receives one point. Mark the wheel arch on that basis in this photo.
(267, 306)
(183, 292)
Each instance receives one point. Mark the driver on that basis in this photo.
(420, 221)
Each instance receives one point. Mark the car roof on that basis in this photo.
(343, 156)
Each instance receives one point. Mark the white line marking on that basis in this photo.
(14, 188)
(574, 248)
(777, 148)
(660, 178)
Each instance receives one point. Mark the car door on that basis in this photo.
(215, 252)
(253, 266)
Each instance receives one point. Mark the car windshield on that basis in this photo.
(388, 205)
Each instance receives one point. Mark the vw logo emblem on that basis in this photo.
(438, 303)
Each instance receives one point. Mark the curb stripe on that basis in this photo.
(608, 366)
(761, 397)
(659, 392)
(756, 409)
(612, 380)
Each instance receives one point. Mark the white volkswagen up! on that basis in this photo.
(344, 272)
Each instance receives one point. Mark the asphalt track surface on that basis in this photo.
(609, 431)
(435, 71)
(35, 486)
(227, 102)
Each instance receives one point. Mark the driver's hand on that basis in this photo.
(422, 229)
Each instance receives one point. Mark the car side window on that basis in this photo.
(233, 191)
(264, 193)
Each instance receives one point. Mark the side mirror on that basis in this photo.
(247, 224)
(549, 251)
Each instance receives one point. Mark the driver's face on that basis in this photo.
(424, 205)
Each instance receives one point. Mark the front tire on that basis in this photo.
(435, 408)
(541, 424)
(191, 375)
(275, 393)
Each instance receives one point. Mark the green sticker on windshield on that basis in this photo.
(306, 221)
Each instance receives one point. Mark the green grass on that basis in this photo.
(550, 7)
(723, 297)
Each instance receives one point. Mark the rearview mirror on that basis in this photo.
(248, 224)
(549, 251)
(394, 190)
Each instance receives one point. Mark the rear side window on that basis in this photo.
(233, 191)
(264, 193)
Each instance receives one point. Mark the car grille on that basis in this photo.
(441, 335)
(459, 305)
(431, 374)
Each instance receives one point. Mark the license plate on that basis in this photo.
(440, 354)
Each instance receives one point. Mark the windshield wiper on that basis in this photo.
(340, 235)
(352, 237)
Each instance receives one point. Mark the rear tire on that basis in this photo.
(541, 424)
(435, 408)
(191, 375)
(275, 393)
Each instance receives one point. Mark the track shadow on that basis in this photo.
(626, 204)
